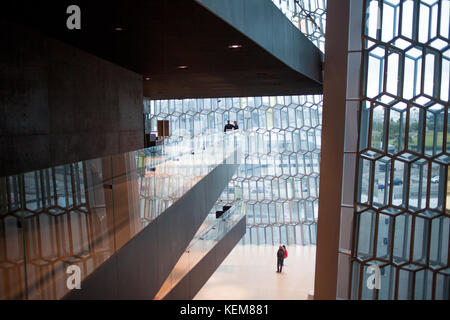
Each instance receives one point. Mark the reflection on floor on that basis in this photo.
(249, 272)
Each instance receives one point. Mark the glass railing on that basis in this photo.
(80, 213)
(209, 234)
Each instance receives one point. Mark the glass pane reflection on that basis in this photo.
(81, 213)
(209, 234)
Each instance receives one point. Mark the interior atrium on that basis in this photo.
(166, 149)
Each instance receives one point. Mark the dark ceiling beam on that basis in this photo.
(262, 22)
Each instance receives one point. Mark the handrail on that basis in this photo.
(237, 205)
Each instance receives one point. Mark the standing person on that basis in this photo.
(280, 258)
(285, 253)
(235, 125)
(228, 126)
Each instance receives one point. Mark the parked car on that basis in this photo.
(435, 179)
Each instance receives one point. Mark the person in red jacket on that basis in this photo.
(285, 253)
(280, 258)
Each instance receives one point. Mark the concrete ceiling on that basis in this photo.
(158, 36)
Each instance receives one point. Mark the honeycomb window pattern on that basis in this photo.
(402, 218)
(278, 176)
(309, 16)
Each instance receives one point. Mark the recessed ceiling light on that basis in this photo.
(182, 67)
(234, 46)
(118, 29)
(147, 78)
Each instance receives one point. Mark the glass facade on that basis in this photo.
(309, 16)
(402, 221)
(278, 178)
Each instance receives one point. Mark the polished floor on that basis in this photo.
(249, 273)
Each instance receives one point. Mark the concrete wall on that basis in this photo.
(59, 104)
(334, 126)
